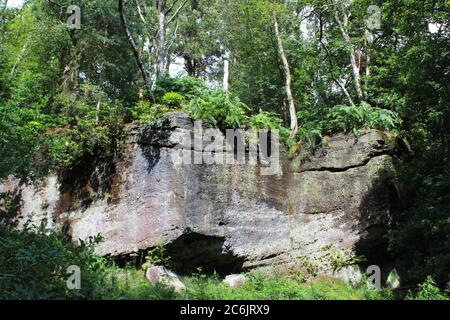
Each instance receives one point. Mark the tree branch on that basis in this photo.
(145, 76)
(177, 12)
(171, 7)
(328, 57)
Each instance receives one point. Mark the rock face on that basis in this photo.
(335, 202)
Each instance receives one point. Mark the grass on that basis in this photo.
(132, 285)
(33, 267)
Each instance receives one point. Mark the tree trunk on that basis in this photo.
(226, 74)
(343, 27)
(287, 73)
(97, 111)
(366, 84)
(190, 65)
(19, 58)
(145, 76)
(87, 82)
(161, 39)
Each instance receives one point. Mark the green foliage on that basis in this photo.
(157, 256)
(65, 96)
(428, 290)
(173, 99)
(218, 108)
(185, 86)
(363, 116)
(147, 113)
(419, 235)
(339, 260)
(21, 135)
(265, 120)
(34, 265)
(265, 287)
(10, 203)
(313, 125)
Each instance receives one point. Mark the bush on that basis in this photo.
(146, 113)
(363, 116)
(173, 99)
(34, 265)
(418, 238)
(428, 290)
(313, 125)
(21, 134)
(265, 120)
(219, 108)
(186, 86)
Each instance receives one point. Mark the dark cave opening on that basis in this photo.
(193, 251)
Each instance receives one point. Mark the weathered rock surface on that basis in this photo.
(235, 280)
(223, 217)
(165, 277)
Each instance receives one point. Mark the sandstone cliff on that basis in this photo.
(331, 205)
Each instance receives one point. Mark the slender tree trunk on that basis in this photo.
(366, 84)
(97, 111)
(226, 74)
(87, 82)
(167, 63)
(328, 57)
(190, 65)
(343, 27)
(19, 58)
(161, 39)
(287, 73)
(145, 76)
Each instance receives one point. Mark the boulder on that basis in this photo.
(235, 280)
(160, 275)
(349, 274)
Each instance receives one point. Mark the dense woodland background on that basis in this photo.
(309, 68)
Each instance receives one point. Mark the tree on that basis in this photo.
(287, 73)
(342, 18)
(137, 55)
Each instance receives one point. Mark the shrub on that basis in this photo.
(34, 265)
(428, 290)
(186, 86)
(265, 120)
(157, 256)
(363, 116)
(146, 113)
(313, 125)
(21, 134)
(418, 238)
(173, 99)
(272, 287)
(219, 108)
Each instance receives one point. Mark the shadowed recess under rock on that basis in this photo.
(192, 251)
